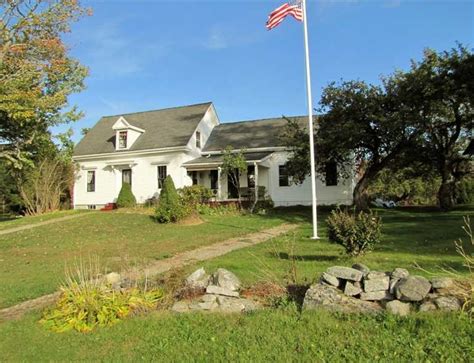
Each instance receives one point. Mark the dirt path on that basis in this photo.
(158, 267)
(39, 224)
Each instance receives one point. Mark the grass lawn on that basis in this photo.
(32, 262)
(282, 335)
(9, 221)
(410, 238)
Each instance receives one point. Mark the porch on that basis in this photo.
(254, 182)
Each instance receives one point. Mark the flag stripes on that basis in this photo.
(280, 13)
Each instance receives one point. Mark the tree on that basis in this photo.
(363, 123)
(36, 73)
(170, 207)
(440, 90)
(233, 165)
(126, 199)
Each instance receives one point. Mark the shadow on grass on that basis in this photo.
(319, 258)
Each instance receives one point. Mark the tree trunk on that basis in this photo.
(360, 195)
(446, 194)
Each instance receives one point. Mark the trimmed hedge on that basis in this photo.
(170, 206)
(126, 199)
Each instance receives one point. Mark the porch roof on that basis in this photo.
(216, 159)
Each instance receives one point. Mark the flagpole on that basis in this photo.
(310, 124)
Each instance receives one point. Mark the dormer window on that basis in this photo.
(198, 139)
(122, 140)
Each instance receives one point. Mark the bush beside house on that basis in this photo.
(170, 207)
(126, 199)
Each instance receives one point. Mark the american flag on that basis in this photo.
(279, 14)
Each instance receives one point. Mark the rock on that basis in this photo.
(330, 279)
(180, 307)
(351, 290)
(208, 305)
(376, 281)
(198, 279)
(218, 290)
(113, 278)
(361, 267)
(412, 288)
(399, 273)
(209, 298)
(442, 282)
(462, 290)
(447, 303)
(226, 279)
(427, 306)
(345, 273)
(376, 295)
(321, 296)
(397, 307)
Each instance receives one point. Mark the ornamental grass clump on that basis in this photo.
(356, 232)
(88, 302)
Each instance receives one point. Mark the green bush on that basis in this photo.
(170, 205)
(464, 191)
(356, 232)
(126, 199)
(217, 209)
(194, 195)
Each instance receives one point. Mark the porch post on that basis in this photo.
(255, 166)
(219, 187)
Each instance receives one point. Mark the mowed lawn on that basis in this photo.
(283, 334)
(33, 262)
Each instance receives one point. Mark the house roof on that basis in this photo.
(218, 158)
(250, 134)
(164, 128)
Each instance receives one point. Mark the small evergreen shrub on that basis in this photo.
(170, 205)
(126, 199)
(356, 232)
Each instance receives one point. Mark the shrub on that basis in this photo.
(356, 232)
(126, 199)
(170, 206)
(194, 195)
(217, 209)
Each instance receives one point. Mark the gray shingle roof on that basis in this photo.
(163, 128)
(249, 134)
(218, 158)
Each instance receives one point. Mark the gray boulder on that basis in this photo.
(442, 282)
(351, 289)
(217, 290)
(412, 288)
(226, 279)
(198, 279)
(397, 307)
(322, 296)
(376, 281)
(427, 306)
(345, 273)
(399, 273)
(361, 267)
(376, 295)
(447, 303)
(330, 279)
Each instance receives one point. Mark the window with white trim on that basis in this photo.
(122, 139)
(283, 177)
(91, 181)
(161, 170)
(198, 139)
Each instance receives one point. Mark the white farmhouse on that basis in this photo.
(187, 143)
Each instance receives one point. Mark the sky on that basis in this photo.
(146, 55)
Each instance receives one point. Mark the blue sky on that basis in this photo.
(146, 55)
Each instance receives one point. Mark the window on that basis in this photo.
(214, 176)
(283, 177)
(194, 176)
(198, 139)
(251, 176)
(122, 139)
(91, 181)
(331, 173)
(127, 176)
(161, 176)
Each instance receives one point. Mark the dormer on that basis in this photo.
(125, 134)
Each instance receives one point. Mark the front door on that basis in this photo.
(232, 191)
(127, 176)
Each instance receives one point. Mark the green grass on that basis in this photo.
(32, 262)
(278, 335)
(410, 238)
(10, 221)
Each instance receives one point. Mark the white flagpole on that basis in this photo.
(310, 124)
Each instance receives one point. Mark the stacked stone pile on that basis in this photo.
(358, 289)
(221, 293)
